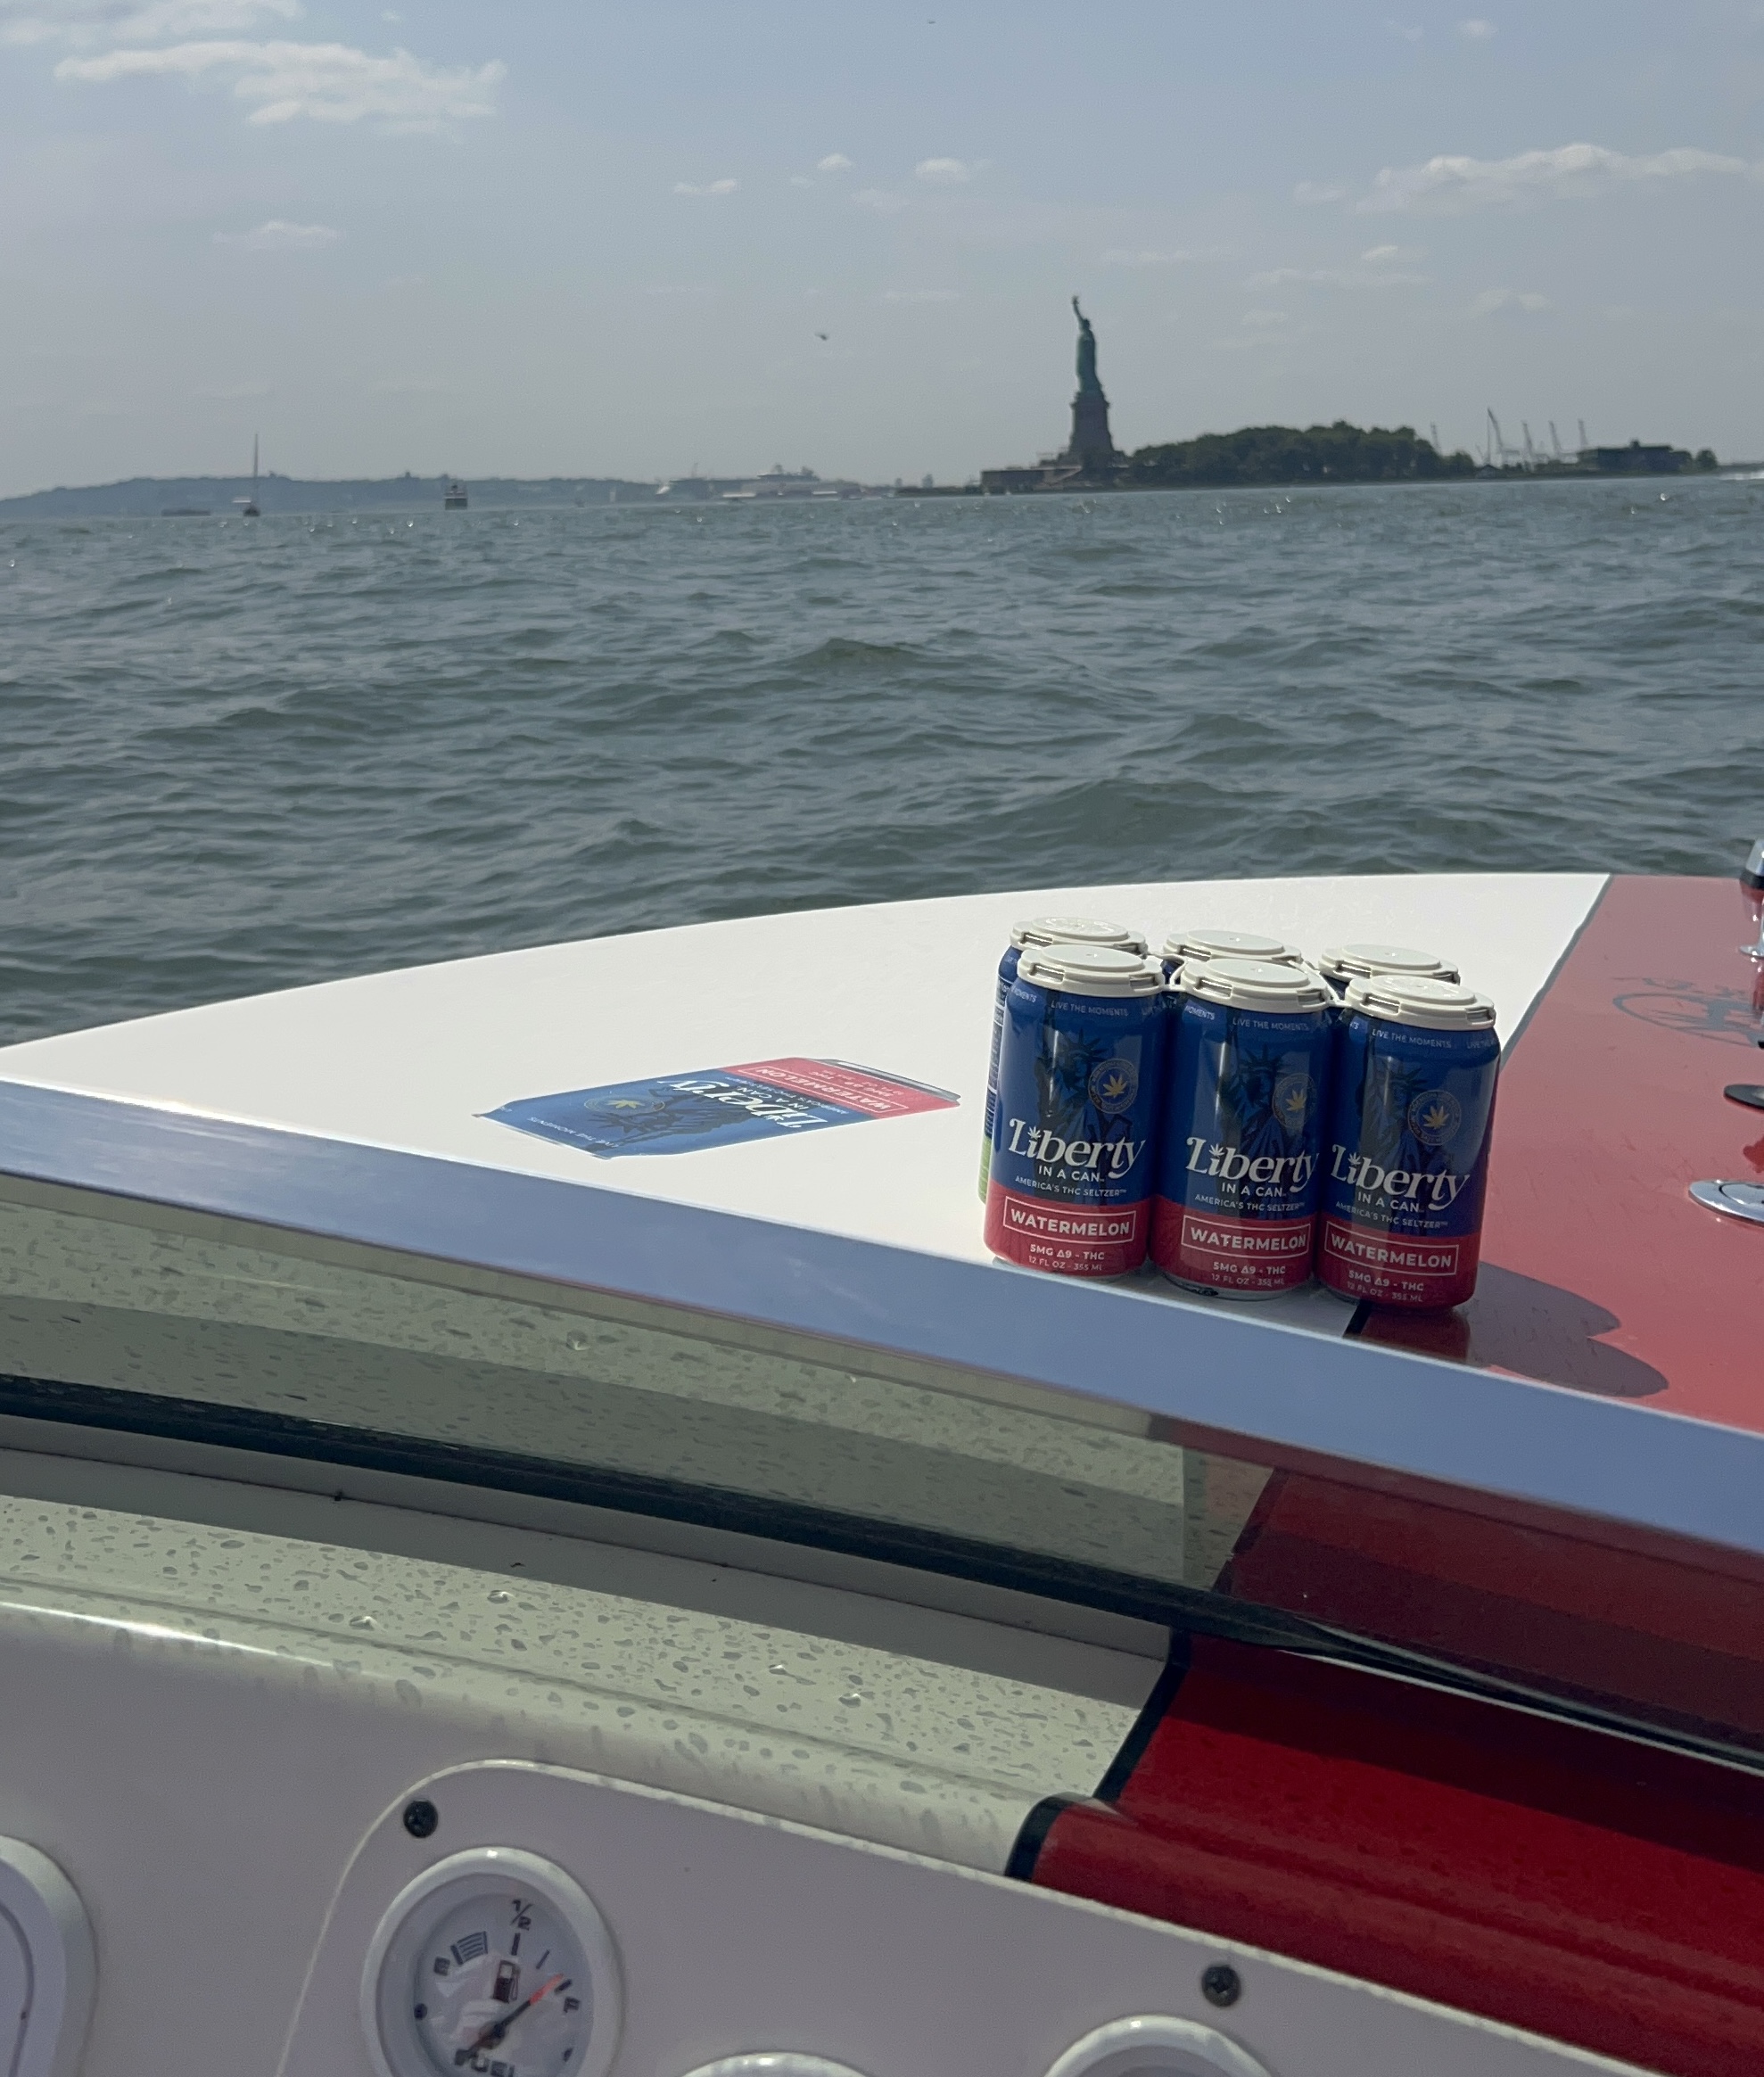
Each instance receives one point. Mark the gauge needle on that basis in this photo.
(492, 2036)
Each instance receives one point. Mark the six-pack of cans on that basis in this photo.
(1241, 1117)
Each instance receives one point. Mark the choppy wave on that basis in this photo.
(242, 754)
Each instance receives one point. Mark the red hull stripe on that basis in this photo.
(1594, 1890)
(1598, 1272)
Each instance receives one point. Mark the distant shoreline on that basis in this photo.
(216, 497)
(206, 497)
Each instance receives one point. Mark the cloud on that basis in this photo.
(85, 23)
(834, 162)
(1506, 299)
(1476, 30)
(1311, 193)
(880, 200)
(333, 83)
(723, 186)
(1453, 185)
(1337, 277)
(279, 236)
(1118, 256)
(1265, 319)
(945, 172)
(1390, 255)
(919, 295)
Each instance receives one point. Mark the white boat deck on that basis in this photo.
(411, 1060)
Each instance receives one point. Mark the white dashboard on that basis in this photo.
(713, 1936)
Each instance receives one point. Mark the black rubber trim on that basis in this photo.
(282, 1435)
(1027, 1847)
(1120, 1771)
(1203, 1612)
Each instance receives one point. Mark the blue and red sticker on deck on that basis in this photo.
(718, 1107)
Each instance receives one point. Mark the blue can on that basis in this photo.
(1239, 1156)
(1038, 930)
(1406, 1158)
(1081, 1072)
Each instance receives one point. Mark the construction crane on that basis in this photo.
(1499, 454)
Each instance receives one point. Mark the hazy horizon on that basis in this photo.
(605, 242)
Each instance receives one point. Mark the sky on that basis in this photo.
(562, 237)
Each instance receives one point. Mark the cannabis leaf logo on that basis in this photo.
(1113, 1085)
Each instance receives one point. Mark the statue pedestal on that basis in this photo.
(1093, 447)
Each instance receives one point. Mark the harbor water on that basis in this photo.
(240, 755)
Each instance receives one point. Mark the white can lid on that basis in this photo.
(1074, 930)
(1422, 998)
(1090, 970)
(1229, 945)
(1354, 962)
(1254, 985)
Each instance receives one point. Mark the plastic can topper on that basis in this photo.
(1038, 930)
(1182, 946)
(1343, 963)
(1406, 1157)
(1080, 1074)
(1241, 1136)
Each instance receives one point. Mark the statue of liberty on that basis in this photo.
(1091, 449)
(1088, 385)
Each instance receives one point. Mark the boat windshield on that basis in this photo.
(134, 1320)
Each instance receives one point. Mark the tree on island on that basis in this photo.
(1283, 454)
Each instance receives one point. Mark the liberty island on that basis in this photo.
(1257, 456)
(1271, 454)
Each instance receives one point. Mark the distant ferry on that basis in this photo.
(778, 481)
(453, 498)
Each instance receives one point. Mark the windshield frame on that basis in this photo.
(1215, 1378)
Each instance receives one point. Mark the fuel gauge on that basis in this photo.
(495, 1962)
